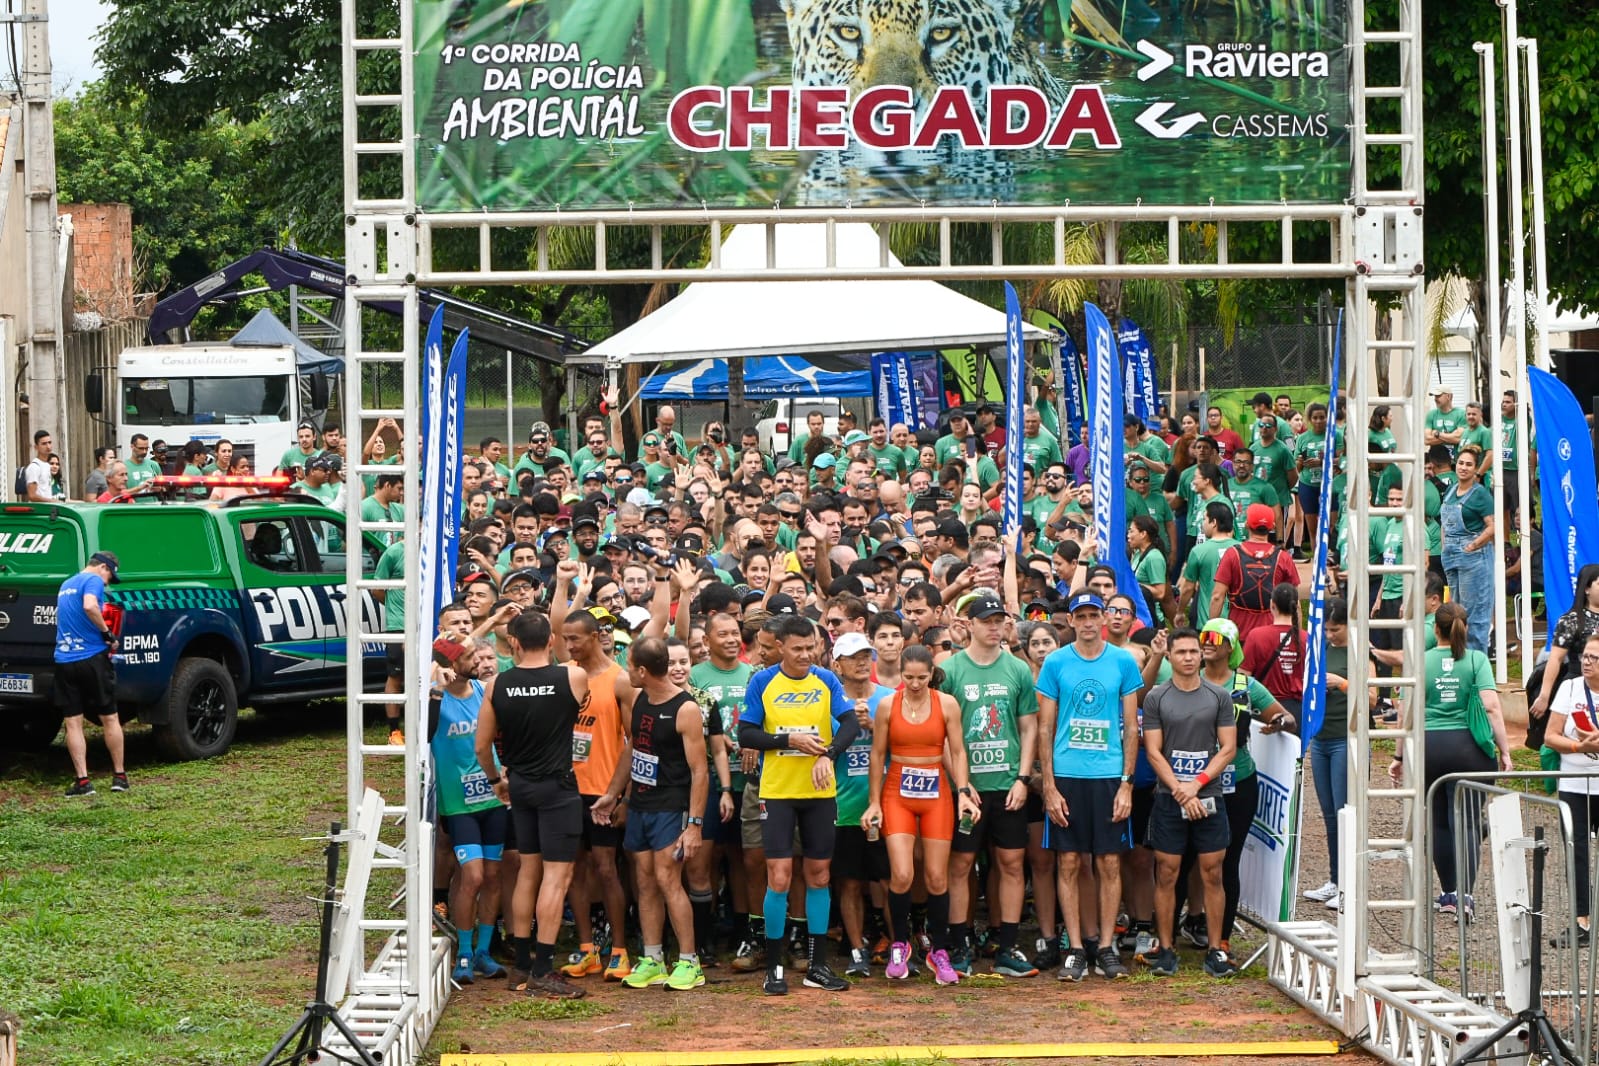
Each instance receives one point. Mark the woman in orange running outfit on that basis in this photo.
(919, 742)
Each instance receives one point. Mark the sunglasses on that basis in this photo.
(791, 516)
(907, 582)
(946, 645)
(1140, 481)
(607, 628)
(868, 589)
(623, 480)
(656, 520)
(1214, 638)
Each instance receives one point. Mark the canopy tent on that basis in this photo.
(764, 377)
(266, 330)
(740, 319)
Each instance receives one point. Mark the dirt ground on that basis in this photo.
(730, 1013)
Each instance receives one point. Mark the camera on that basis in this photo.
(716, 434)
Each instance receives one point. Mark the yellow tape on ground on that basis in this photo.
(1122, 1050)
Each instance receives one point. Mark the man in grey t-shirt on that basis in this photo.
(1191, 736)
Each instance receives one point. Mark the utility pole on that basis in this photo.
(46, 377)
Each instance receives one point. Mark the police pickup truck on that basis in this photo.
(220, 604)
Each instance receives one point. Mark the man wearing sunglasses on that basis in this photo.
(1142, 501)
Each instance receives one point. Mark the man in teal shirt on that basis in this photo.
(952, 445)
(1039, 444)
(1245, 488)
(1274, 464)
(1445, 422)
(888, 459)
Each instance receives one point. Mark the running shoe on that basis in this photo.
(1584, 937)
(686, 975)
(516, 980)
(619, 965)
(1321, 895)
(1091, 946)
(583, 964)
(749, 957)
(1335, 904)
(943, 972)
(553, 986)
(1074, 967)
(1468, 907)
(1218, 964)
(649, 971)
(775, 984)
(1145, 945)
(397, 738)
(959, 960)
(1108, 964)
(988, 944)
(1164, 963)
(1009, 962)
(81, 787)
(880, 950)
(1446, 903)
(1047, 951)
(119, 783)
(1124, 932)
(820, 975)
(708, 959)
(1194, 931)
(484, 966)
(860, 963)
(462, 974)
(899, 957)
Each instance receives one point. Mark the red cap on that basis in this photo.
(1259, 516)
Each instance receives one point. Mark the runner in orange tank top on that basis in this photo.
(920, 746)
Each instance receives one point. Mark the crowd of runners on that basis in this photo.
(815, 708)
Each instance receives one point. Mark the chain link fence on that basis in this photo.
(1265, 357)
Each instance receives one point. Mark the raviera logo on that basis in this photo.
(26, 543)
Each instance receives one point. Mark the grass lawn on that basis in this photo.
(174, 923)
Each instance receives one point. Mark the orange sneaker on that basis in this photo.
(583, 964)
(619, 966)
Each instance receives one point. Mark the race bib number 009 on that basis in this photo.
(989, 757)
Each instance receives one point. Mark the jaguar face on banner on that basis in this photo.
(573, 104)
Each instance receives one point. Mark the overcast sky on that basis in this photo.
(72, 26)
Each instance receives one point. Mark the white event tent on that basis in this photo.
(739, 319)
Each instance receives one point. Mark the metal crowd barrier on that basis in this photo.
(1487, 954)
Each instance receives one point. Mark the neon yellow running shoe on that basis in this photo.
(686, 975)
(648, 972)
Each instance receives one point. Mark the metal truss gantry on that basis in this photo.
(1360, 975)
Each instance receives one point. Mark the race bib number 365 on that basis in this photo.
(475, 787)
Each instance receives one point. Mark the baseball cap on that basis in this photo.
(781, 603)
(1260, 516)
(785, 463)
(473, 577)
(691, 543)
(538, 429)
(985, 607)
(640, 497)
(1229, 631)
(526, 574)
(602, 616)
(824, 461)
(595, 474)
(952, 528)
(635, 617)
(553, 532)
(448, 650)
(1085, 599)
(1130, 419)
(586, 520)
(109, 561)
(852, 644)
(855, 436)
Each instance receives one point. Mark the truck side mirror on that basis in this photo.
(319, 391)
(94, 393)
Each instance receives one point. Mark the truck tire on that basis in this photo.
(34, 729)
(202, 711)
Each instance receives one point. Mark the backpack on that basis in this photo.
(22, 483)
(1255, 583)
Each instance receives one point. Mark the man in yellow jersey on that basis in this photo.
(599, 747)
(797, 715)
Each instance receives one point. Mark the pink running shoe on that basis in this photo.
(943, 972)
(899, 956)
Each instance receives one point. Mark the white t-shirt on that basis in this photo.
(1572, 696)
(38, 475)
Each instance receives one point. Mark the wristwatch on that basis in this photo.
(1026, 779)
(695, 820)
(1127, 779)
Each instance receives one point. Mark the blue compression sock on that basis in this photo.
(463, 938)
(485, 933)
(818, 902)
(776, 910)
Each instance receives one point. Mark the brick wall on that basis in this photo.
(102, 259)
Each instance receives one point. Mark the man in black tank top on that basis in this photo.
(670, 780)
(530, 713)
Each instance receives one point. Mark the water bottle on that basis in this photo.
(874, 830)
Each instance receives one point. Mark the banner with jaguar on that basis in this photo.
(563, 105)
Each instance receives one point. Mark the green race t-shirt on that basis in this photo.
(1244, 493)
(1451, 683)
(725, 688)
(889, 460)
(992, 700)
(1203, 559)
(139, 473)
(1446, 421)
(1272, 463)
(1041, 450)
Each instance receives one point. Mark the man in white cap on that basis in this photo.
(856, 860)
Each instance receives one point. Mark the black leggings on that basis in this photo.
(1241, 805)
(1584, 816)
(1453, 751)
